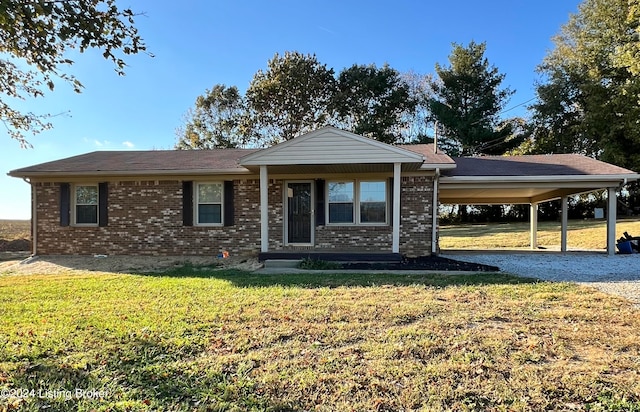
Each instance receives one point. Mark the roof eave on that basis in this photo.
(441, 166)
(238, 171)
(546, 178)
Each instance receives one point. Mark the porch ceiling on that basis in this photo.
(335, 168)
(519, 191)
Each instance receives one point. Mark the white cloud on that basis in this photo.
(128, 144)
(98, 143)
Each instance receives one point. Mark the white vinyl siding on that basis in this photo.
(331, 147)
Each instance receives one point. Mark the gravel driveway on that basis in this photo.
(619, 274)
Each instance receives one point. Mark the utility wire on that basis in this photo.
(518, 105)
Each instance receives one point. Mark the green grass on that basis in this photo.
(193, 339)
(582, 234)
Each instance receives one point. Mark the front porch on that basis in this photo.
(333, 190)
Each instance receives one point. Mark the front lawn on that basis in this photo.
(581, 234)
(193, 339)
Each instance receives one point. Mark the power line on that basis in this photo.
(518, 105)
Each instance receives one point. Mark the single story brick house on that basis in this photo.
(327, 190)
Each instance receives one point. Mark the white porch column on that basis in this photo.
(264, 209)
(534, 225)
(564, 223)
(395, 243)
(34, 220)
(611, 220)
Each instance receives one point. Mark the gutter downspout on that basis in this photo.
(434, 214)
(34, 223)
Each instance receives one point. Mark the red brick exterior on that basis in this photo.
(416, 219)
(145, 218)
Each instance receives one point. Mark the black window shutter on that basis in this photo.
(228, 203)
(103, 203)
(187, 203)
(320, 220)
(65, 204)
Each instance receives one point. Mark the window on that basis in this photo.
(359, 202)
(209, 204)
(341, 202)
(86, 204)
(373, 203)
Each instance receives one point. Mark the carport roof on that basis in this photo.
(534, 165)
(527, 179)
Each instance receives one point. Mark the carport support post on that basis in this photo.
(564, 223)
(611, 221)
(264, 209)
(534, 225)
(395, 241)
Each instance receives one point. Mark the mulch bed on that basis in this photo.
(422, 263)
(17, 245)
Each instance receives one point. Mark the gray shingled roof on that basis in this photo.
(534, 165)
(168, 161)
(427, 151)
(226, 160)
(141, 161)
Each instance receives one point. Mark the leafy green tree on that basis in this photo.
(38, 34)
(627, 54)
(590, 100)
(467, 102)
(218, 120)
(290, 98)
(372, 101)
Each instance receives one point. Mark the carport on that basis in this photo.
(497, 180)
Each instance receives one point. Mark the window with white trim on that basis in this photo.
(341, 199)
(357, 202)
(86, 204)
(208, 204)
(373, 202)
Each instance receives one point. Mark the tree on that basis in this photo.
(627, 54)
(217, 121)
(418, 122)
(467, 102)
(590, 99)
(39, 33)
(372, 102)
(290, 98)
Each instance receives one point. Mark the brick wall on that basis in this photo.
(145, 218)
(364, 238)
(416, 219)
(416, 197)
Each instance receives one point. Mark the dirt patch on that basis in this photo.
(15, 245)
(120, 264)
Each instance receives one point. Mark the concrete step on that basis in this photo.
(282, 263)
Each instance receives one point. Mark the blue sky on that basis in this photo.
(198, 44)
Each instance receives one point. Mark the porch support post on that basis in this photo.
(395, 243)
(534, 224)
(564, 223)
(434, 213)
(34, 219)
(264, 209)
(611, 220)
